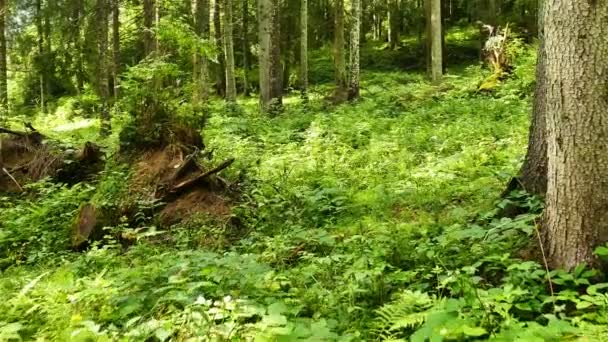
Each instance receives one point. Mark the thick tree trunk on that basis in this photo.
(149, 18)
(220, 68)
(102, 68)
(304, 48)
(116, 47)
(576, 46)
(245, 47)
(339, 54)
(270, 52)
(355, 38)
(229, 52)
(3, 59)
(436, 42)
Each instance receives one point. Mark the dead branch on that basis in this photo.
(13, 179)
(192, 182)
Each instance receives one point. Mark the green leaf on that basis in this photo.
(473, 331)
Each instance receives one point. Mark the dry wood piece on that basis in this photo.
(192, 182)
(13, 179)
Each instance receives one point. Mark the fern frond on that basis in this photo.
(409, 310)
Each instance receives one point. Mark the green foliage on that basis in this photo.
(375, 220)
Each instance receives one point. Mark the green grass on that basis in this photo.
(366, 221)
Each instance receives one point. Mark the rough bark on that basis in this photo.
(270, 64)
(3, 59)
(304, 48)
(149, 18)
(102, 69)
(576, 46)
(116, 47)
(229, 52)
(353, 90)
(339, 54)
(436, 42)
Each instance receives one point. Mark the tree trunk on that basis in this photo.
(245, 47)
(355, 38)
(102, 68)
(200, 95)
(3, 59)
(429, 37)
(270, 64)
(149, 18)
(304, 48)
(436, 42)
(42, 65)
(576, 46)
(533, 174)
(220, 68)
(229, 52)
(339, 55)
(116, 47)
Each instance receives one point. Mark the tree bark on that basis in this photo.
(116, 47)
(355, 38)
(41, 56)
(339, 55)
(102, 69)
(220, 68)
(436, 42)
(229, 53)
(533, 174)
(245, 47)
(200, 74)
(149, 18)
(270, 65)
(576, 46)
(3, 60)
(304, 48)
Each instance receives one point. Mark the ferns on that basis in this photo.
(407, 312)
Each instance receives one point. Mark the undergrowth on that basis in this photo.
(377, 220)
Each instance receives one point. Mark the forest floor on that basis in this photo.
(365, 221)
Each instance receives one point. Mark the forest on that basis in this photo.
(303, 170)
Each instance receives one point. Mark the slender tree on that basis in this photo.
(436, 41)
(353, 89)
(116, 47)
(3, 60)
(220, 68)
(229, 52)
(102, 68)
(245, 46)
(200, 63)
(576, 46)
(149, 19)
(304, 48)
(339, 54)
(271, 88)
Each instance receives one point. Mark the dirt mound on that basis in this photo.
(27, 157)
(180, 177)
